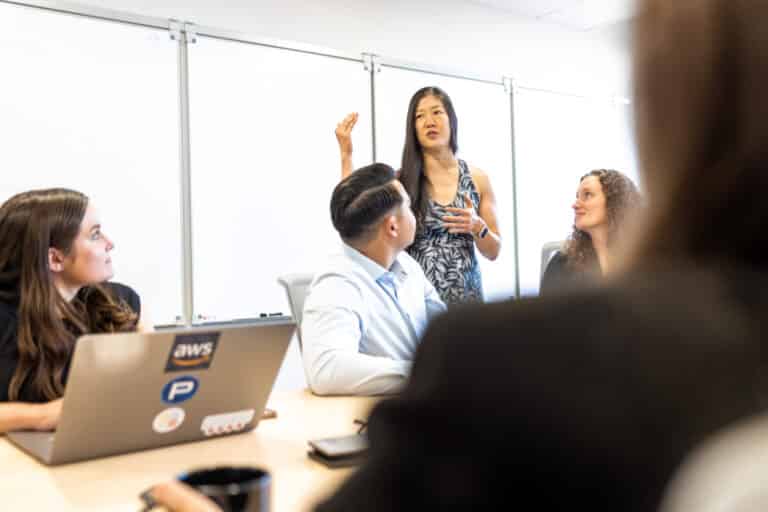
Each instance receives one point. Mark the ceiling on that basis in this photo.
(573, 14)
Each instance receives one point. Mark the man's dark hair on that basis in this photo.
(361, 200)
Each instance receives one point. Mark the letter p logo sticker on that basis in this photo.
(180, 389)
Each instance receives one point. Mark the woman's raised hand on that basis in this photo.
(344, 134)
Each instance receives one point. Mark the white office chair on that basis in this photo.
(547, 251)
(296, 287)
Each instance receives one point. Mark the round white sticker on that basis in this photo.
(168, 420)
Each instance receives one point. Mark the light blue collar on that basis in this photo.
(372, 268)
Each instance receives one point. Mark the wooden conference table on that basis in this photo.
(114, 483)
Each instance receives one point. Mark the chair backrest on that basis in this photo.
(547, 251)
(296, 287)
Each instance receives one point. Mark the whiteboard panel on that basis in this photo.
(484, 136)
(93, 105)
(626, 144)
(558, 139)
(264, 163)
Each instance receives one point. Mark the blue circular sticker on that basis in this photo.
(180, 389)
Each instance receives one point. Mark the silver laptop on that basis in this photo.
(129, 392)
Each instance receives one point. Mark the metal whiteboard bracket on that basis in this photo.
(182, 31)
(190, 30)
(371, 62)
(372, 65)
(509, 84)
(174, 29)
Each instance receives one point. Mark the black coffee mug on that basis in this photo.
(234, 489)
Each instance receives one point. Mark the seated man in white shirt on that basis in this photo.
(368, 306)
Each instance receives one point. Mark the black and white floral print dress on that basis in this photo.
(449, 260)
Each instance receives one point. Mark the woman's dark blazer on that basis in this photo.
(583, 401)
(560, 277)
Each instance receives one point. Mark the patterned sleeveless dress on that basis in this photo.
(449, 260)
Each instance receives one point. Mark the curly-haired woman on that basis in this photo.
(604, 200)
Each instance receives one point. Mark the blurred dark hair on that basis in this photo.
(700, 76)
(412, 166)
(362, 199)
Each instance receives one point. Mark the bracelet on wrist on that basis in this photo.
(482, 233)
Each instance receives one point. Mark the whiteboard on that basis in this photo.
(558, 139)
(485, 141)
(93, 105)
(264, 163)
(626, 143)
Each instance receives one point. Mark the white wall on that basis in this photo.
(453, 33)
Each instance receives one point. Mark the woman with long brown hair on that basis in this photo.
(54, 265)
(454, 202)
(605, 201)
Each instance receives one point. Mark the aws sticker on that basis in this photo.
(180, 389)
(168, 420)
(192, 351)
(227, 423)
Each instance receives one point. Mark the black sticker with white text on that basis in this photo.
(192, 351)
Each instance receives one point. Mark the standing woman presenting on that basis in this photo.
(453, 202)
